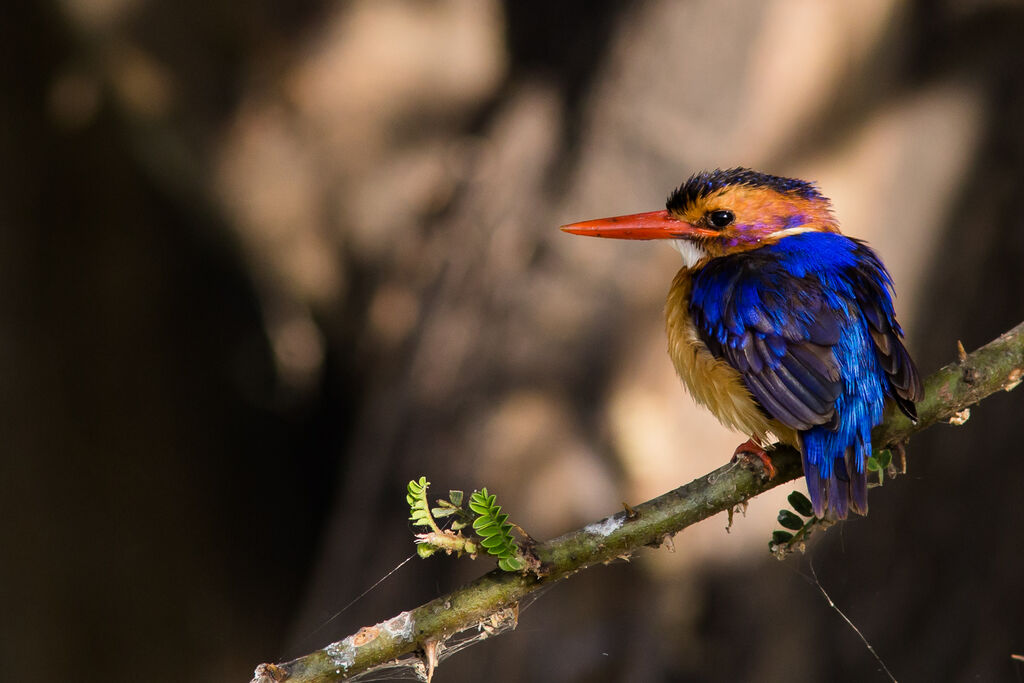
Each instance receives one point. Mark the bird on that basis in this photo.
(779, 324)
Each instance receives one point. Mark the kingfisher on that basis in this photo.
(779, 324)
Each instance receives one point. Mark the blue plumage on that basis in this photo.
(809, 324)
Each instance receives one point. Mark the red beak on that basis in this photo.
(654, 225)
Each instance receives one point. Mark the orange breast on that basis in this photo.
(713, 383)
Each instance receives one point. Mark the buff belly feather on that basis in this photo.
(711, 382)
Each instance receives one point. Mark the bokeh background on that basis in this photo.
(262, 263)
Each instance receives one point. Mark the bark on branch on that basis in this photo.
(489, 603)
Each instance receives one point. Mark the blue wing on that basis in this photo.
(808, 322)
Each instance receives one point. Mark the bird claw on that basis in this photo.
(751, 456)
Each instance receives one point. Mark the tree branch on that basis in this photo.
(490, 602)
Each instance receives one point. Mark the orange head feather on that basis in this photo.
(722, 212)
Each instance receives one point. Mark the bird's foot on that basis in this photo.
(751, 456)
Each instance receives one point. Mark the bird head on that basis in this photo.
(720, 212)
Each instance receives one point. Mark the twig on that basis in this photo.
(996, 366)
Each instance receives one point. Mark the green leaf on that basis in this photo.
(801, 504)
(420, 517)
(780, 537)
(425, 550)
(885, 458)
(486, 527)
(478, 502)
(494, 529)
(456, 498)
(510, 564)
(494, 543)
(879, 463)
(419, 508)
(790, 521)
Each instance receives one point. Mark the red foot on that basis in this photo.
(752, 455)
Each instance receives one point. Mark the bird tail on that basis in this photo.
(858, 481)
(835, 487)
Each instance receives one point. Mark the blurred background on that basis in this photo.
(263, 263)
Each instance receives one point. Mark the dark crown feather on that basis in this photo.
(702, 184)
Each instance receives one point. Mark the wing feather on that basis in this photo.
(777, 331)
(870, 281)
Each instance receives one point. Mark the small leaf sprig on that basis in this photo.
(416, 497)
(450, 540)
(880, 463)
(800, 522)
(494, 528)
(798, 530)
(489, 527)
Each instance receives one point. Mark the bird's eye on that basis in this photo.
(720, 218)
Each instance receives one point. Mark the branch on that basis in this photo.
(489, 604)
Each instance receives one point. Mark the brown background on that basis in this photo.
(262, 263)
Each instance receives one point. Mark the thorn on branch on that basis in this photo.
(899, 461)
(430, 654)
(970, 374)
(741, 508)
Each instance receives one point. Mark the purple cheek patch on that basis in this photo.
(794, 221)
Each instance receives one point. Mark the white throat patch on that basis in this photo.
(690, 251)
